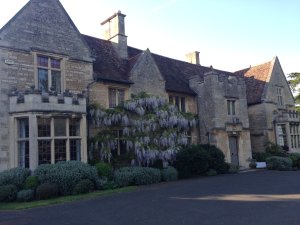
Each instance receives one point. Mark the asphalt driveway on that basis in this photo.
(252, 198)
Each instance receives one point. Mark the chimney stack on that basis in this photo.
(114, 31)
(193, 57)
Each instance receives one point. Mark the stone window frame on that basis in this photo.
(117, 96)
(231, 105)
(62, 60)
(280, 100)
(180, 101)
(24, 159)
(53, 138)
(294, 135)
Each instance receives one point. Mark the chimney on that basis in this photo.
(193, 57)
(114, 31)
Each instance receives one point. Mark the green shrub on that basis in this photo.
(31, 182)
(233, 168)
(211, 172)
(275, 150)
(8, 193)
(104, 170)
(46, 191)
(252, 165)
(136, 176)
(169, 174)
(191, 161)
(216, 158)
(66, 175)
(15, 176)
(260, 156)
(279, 163)
(83, 186)
(295, 157)
(25, 195)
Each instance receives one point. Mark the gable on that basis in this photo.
(44, 25)
(278, 79)
(146, 75)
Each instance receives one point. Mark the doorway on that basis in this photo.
(233, 146)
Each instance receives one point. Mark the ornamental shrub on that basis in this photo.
(66, 175)
(191, 161)
(295, 157)
(8, 193)
(211, 172)
(46, 191)
(279, 163)
(136, 176)
(260, 156)
(104, 170)
(275, 150)
(15, 176)
(83, 186)
(216, 158)
(25, 195)
(169, 174)
(31, 182)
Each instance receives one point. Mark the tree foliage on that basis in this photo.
(294, 81)
(147, 126)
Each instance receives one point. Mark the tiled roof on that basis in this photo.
(255, 78)
(110, 67)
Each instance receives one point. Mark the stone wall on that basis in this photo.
(146, 77)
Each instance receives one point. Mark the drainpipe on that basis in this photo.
(274, 123)
(88, 110)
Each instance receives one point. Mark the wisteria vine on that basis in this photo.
(148, 125)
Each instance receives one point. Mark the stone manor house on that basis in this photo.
(50, 72)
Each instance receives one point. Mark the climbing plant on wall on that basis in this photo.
(147, 126)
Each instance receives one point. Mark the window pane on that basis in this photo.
(42, 61)
(44, 148)
(177, 102)
(43, 80)
(44, 127)
(75, 149)
(55, 63)
(56, 81)
(121, 96)
(74, 127)
(233, 107)
(60, 150)
(228, 107)
(23, 128)
(182, 102)
(23, 150)
(112, 98)
(59, 127)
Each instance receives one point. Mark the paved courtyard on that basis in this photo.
(252, 198)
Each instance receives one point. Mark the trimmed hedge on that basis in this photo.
(8, 193)
(66, 175)
(15, 176)
(104, 170)
(46, 191)
(136, 176)
(83, 186)
(295, 157)
(31, 182)
(25, 195)
(279, 163)
(169, 174)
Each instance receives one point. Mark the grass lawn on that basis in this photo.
(60, 200)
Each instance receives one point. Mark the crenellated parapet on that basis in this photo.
(32, 100)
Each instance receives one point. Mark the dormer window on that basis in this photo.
(49, 74)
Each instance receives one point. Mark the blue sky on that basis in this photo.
(229, 34)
